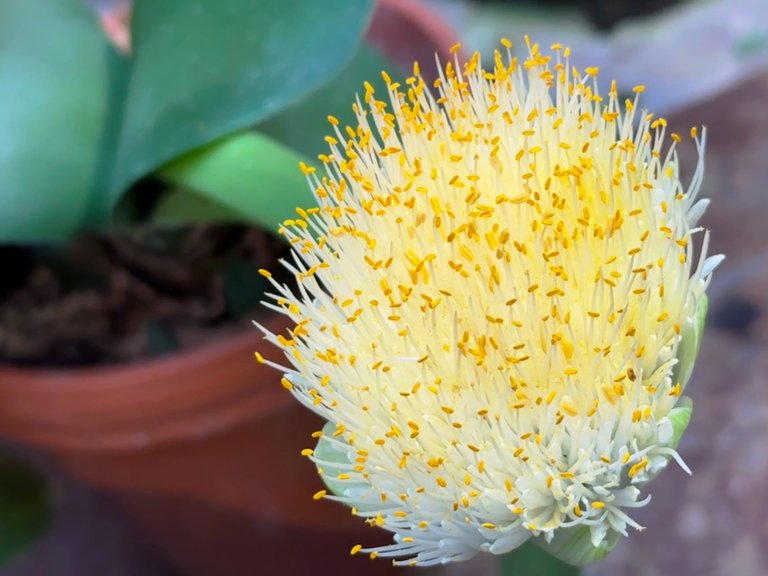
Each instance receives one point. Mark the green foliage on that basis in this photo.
(24, 508)
(303, 125)
(222, 181)
(56, 68)
(225, 180)
(81, 124)
(203, 69)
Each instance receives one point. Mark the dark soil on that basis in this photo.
(107, 300)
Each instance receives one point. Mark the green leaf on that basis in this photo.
(58, 71)
(25, 511)
(690, 343)
(530, 560)
(204, 69)
(182, 207)
(246, 178)
(303, 125)
(251, 177)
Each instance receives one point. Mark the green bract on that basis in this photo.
(690, 343)
(574, 546)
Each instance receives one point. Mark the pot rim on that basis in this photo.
(197, 392)
(196, 354)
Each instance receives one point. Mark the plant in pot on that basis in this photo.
(139, 191)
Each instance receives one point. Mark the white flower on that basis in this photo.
(492, 294)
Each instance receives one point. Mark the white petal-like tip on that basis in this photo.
(710, 264)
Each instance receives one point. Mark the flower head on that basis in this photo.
(493, 295)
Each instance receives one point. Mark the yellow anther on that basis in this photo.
(306, 170)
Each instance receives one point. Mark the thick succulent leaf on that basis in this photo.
(204, 69)
(58, 71)
(303, 125)
(244, 178)
(256, 174)
(25, 511)
(690, 344)
(574, 545)
(179, 207)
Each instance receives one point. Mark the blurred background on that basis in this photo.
(138, 176)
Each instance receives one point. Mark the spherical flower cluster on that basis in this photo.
(497, 308)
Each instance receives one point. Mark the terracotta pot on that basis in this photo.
(171, 426)
(202, 448)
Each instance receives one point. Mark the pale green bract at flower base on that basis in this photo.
(498, 308)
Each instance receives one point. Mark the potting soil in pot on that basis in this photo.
(116, 299)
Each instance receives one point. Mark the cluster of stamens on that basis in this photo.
(491, 293)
